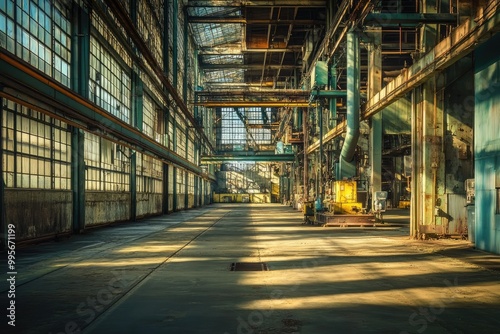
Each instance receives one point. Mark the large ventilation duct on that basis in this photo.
(347, 163)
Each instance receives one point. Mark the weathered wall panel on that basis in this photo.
(149, 204)
(37, 213)
(106, 207)
(456, 214)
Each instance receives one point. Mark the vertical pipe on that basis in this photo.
(332, 74)
(306, 163)
(320, 190)
(374, 86)
(352, 134)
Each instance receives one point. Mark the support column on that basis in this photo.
(428, 199)
(186, 58)
(133, 186)
(321, 189)
(186, 190)
(376, 133)
(78, 179)
(429, 33)
(165, 189)
(175, 40)
(80, 76)
(306, 162)
(427, 152)
(416, 161)
(175, 189)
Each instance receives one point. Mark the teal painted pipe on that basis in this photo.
(353, 65)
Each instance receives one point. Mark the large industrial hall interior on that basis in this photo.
(250, 166)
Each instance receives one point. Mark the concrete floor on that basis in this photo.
(170, 274)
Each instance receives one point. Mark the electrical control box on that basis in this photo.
(380, 201)
(470, 190)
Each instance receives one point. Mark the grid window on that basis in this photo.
(191, 184)
(107, 165)
(170, 180)
(181, 179)
(181, 140)
(148, 116)
(109, 82)
(149, 27)
(36, 149)
(39, 33)
(190, 150)
(149, 174)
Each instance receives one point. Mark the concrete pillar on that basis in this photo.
(416, 161)
(428, 191)
(429, 33)
(374, 86)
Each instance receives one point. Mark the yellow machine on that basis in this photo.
(344, 198)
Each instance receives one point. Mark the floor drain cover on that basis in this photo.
(249, 266)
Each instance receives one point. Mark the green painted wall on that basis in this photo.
(487, 144)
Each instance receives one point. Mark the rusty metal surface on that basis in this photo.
(345, 220)
(457, 214)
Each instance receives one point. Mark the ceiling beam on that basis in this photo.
(396, 19)
(239, 19)
(247, 66)
(257, 3)
(234, 104)
(236, 49)
(215, 159)
(260, 92)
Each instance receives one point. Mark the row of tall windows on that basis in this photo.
(36, 149)
(39, 32)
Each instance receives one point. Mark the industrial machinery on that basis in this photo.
(379, 204)
(343, 209)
